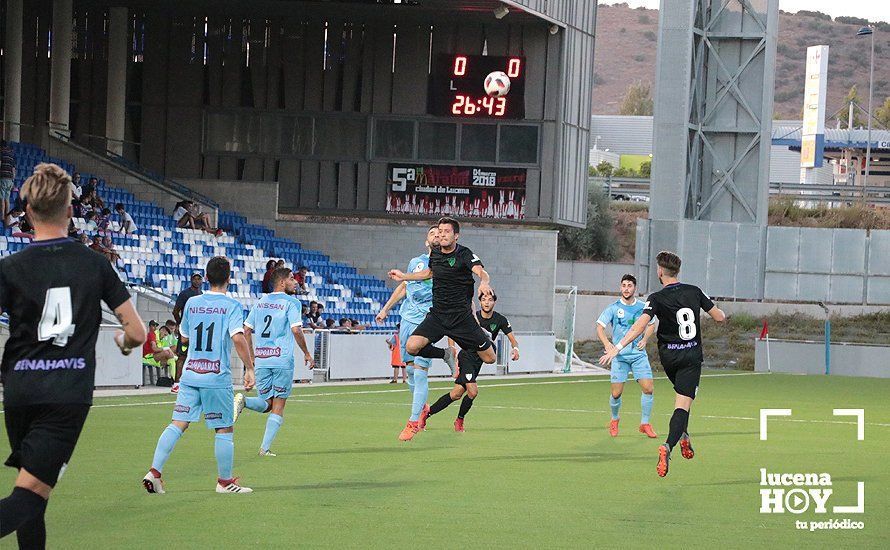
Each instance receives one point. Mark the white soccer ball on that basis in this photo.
(497, 84)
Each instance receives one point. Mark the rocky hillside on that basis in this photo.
(626, 45)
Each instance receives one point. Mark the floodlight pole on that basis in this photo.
(871, 80)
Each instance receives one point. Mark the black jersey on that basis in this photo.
(52, 292)
(494, 325)
(453, 281)
(677, 307)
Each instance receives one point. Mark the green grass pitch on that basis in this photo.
(535, 468)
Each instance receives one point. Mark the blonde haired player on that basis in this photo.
(52, 292)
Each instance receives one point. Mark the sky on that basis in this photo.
(873, 10)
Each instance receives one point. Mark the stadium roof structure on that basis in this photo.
(836, 139)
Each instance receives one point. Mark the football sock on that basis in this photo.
(421, 392)
(678, 423)
(224, 449)
(166, 442)
(465, 406)
(32, 535)
(615, 405)
(273, 423)
(410, 371)
(646, 400)
(432, 352)
(20, 508)
(439, 405)
(257, 404)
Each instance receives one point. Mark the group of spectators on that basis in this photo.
(312, 319)
(299, 276)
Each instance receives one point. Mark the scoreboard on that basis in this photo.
(457, 87)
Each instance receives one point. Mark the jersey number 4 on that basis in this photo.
(56, 320)
(686, 320)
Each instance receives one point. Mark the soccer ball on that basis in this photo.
(497, 84)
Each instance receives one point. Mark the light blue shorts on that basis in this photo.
(406, 329)
(274, 383)
(217, 405)
(639, 364)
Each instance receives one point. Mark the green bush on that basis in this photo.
(596, 241)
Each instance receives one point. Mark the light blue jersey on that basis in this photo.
(419, 294)
(272, 320)
(622, 316)
(209, 321)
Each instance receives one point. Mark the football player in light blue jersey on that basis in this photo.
(273, 325)
(418, 297)
(211, 323)
(621, 315)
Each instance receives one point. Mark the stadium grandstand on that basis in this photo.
(162, 256)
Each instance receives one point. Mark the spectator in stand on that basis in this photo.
(395, 351)
(84, 240)
(128, 226)
(91, 225)
(103, 220)
(329, 324)
(72, 229)
(182, 216)
(76, 188)
(110, 251)
(92, 188)
(14, 218)
(356, 326)
(345, 325)
(304, 316)
(314, 315)
(91, 198)
(320, 312)
(267, 278)
(25, 229)
(300, 277)
(7, 174)
(201, 220)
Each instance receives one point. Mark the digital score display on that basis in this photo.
(457, 87)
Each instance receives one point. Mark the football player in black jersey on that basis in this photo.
(52, 291)
(677, 308)
(469, 364)
(452, 267)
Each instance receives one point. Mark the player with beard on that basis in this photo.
(452, 267)
(677, 308)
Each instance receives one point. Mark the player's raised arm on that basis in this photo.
(398, 275)
(397, 295)
(637, 329)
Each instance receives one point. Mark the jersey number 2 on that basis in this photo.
(686, 320)
(55, 322)
(266, 332)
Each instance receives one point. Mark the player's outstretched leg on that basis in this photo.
(677, 425)
(171, 434)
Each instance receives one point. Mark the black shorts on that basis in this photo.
(468, 366)
(182, 348)
(683, 370)
(460, 326)
(42, 437)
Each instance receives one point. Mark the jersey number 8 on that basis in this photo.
(55, 321)
(686, 320)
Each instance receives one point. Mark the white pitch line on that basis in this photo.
(585, 411)
(517, 384)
